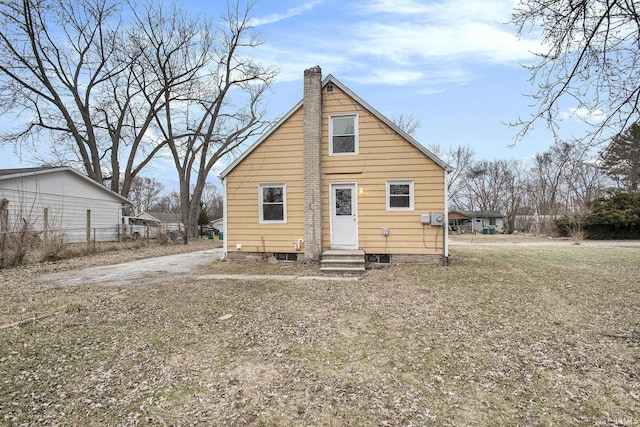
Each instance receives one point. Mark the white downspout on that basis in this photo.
(225, 218)
(445, 223)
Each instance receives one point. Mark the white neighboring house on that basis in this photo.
(166, 221)
(70, 200)
(150, 224)
(476, 221)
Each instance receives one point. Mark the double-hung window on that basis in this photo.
(273, 203)
(399, 195)
(343, 134)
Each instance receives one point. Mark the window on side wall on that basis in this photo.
(343, 134)
(273, 203)
(399, 195)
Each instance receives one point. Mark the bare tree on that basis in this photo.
(144, 193)
(461, 160)
(217, 109)
(587, 183)
(70, 67)
(513, 196)
(550, 176)
(55, 57)
(169, 203)
(485, 184)
(563, 180)
(591, 58)
(407, 122)
(212, 201)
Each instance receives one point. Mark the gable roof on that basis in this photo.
(22, 171)
(6, 174)
(161, 216)
(369, 108)
(478, 214)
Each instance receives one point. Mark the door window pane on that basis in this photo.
(343, 201)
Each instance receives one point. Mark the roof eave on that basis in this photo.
(73, 171)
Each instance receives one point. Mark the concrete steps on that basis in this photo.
(342, 261)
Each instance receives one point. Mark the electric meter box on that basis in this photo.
(437, 218)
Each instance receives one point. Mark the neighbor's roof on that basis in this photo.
(479, 214)
(162, 217)
(373, 111)
(6, 174)
(23, 171)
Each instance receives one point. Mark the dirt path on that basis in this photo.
(159, 269)
(138, 272)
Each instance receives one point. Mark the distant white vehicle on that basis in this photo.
(137, 228)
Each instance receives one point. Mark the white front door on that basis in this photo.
(344, 216)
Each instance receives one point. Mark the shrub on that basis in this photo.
(616, 216)
(14, 245)
(162, 238)
(54, 247)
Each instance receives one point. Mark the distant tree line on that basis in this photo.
(149, 195)
(566, 189)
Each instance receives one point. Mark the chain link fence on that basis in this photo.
(26, 242)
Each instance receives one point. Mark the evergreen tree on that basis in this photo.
(621, 159)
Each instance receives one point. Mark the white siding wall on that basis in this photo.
(67, 197)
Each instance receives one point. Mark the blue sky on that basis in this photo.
(454, 65)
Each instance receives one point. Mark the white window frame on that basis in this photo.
(408, 182)
(356, 145)
(284, 204)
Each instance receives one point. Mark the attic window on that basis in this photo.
(329, 87)
(343, 134)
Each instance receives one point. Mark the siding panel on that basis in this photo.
(383, 155)
(277, 160)
(67, 198)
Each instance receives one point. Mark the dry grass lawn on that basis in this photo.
(504, 336)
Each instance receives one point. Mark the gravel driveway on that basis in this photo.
(138, 272)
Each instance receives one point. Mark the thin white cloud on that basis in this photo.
(292, 60)
(276, 17)
(583, 114)
(469, 30)
(398, 42)
(400, 77)
(391, 77)
(444, 11)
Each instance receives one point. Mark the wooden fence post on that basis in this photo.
(88, 227)
(45, 230)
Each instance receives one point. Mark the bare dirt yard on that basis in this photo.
(510, 334)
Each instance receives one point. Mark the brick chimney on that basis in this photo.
(312, 122)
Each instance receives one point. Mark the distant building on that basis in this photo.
(166, 221)
(476, 221)
(62, 201)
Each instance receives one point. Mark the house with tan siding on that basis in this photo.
(335, 181)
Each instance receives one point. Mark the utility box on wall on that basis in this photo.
(437, 218)
(425, 219)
